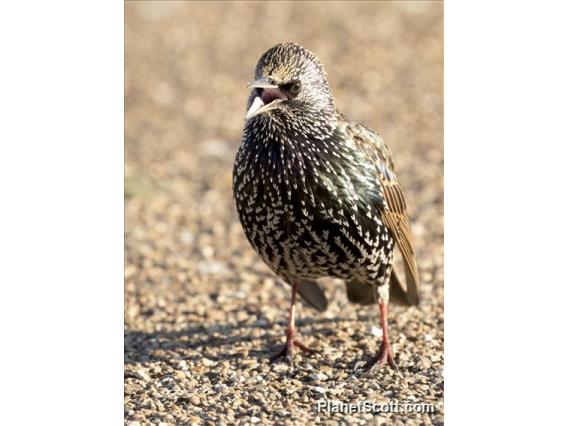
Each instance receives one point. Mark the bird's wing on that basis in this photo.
(393, 211)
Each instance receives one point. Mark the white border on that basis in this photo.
(506, 218)
(61, 214)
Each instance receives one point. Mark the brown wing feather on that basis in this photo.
(394, 213)
(400, 229)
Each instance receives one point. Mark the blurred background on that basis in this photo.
(202, 311)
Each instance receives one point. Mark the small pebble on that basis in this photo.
(142, 375)
(318, 377)
(208, 363)
(376, 331)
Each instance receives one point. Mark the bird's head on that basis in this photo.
(289, 79)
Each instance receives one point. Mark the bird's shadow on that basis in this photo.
(198, 341)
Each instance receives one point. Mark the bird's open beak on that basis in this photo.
(270, 95)
(262, 83)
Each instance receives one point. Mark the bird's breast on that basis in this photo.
(305, 210)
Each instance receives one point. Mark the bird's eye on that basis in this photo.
(292, 88)
(295, 89)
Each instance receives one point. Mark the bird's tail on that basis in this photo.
(398, 294)
(363, 293)
(360, 292)
(312, 293)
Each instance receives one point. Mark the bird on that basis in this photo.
(318, 195)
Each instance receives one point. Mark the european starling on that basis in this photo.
(318, 195)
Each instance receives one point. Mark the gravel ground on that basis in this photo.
(203, 313)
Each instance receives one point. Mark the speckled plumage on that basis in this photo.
(318, 195)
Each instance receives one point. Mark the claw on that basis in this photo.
(288, 351)
(291, 341)
(384, 356)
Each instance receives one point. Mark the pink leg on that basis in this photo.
(291, 340)
(385, 353)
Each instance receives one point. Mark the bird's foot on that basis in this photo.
(287, 351)
(384, 356)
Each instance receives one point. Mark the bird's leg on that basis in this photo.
(385, 353)
(291, 340)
